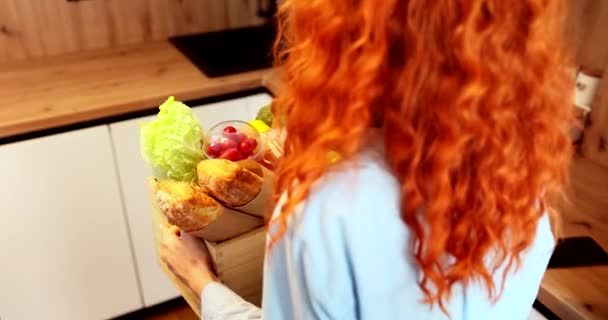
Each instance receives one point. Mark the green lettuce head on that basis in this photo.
(171, 144)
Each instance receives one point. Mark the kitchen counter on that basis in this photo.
(70, 89)
(582, 292)
(63, 90)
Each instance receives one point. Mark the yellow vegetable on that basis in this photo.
(259, 125)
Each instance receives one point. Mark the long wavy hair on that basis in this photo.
(474, 98)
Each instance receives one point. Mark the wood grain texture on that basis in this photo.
(575, 293)
(33, 28)
(595, 142)
(584, 212)
(177, 311)
(587, 25)
(239, 263)
(581, 293)
(56, 91)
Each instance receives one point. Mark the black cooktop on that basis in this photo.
(578, 252)
(229, 51)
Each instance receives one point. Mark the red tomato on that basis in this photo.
(241, 137)
(229, 129)
(214, 149)
(231, 154)
(247, 146)
(253, 142)
(226, 143)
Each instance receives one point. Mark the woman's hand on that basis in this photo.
(188, 258)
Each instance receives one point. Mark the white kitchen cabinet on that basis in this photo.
(255, 102)
(133, 172)
(244, 109)
(213, 113)
(64, 246)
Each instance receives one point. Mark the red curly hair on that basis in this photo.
(474, 97)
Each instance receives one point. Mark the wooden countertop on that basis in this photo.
(581, 293)
(63, 90)
(67, 89)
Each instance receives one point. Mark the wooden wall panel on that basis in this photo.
(589, 22)
(588, 26)
(33, 28)
(595, 141)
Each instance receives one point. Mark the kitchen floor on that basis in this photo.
(176, 309)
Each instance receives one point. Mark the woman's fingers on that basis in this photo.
(186, 257)
(169, 243)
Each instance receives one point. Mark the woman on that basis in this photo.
(451, 119)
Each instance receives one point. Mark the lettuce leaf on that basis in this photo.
(171, 143)
(265, 114)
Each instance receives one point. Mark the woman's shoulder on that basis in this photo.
(358, 191)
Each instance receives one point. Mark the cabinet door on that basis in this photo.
(243, 109)
(64, 247)
(255, 102)
(213, 113)
(133, 172)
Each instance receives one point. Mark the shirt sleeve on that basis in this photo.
(219, 303)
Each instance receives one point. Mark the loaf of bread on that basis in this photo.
(245, 185)
(252, 166)
(228, 182)
(189, 207)
(186, 205)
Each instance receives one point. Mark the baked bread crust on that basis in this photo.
(228, 181)
(186, 205)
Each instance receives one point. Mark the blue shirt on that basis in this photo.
(345, 256)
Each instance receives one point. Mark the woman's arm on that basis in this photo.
(188, 258)
(220, 303)
(307, 273)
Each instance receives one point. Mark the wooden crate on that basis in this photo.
(238, 262)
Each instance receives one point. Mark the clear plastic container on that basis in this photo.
(233, 140)
(273, 149)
